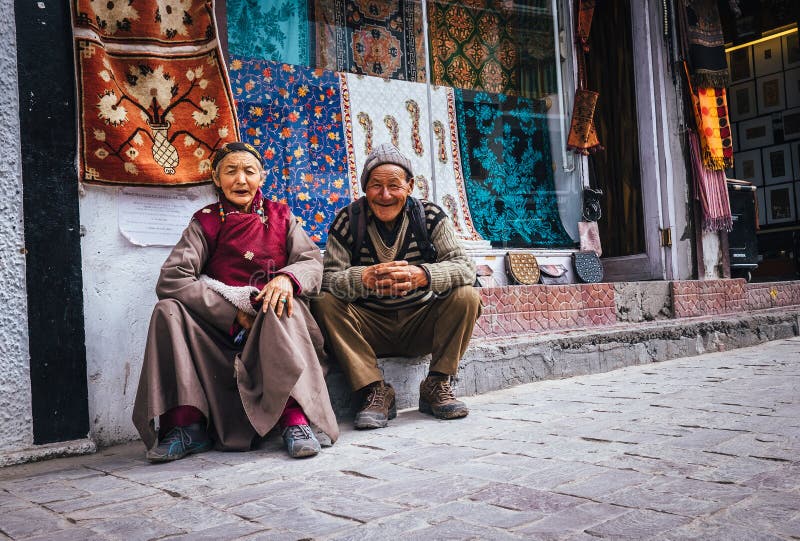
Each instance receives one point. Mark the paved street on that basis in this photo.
(700, 448)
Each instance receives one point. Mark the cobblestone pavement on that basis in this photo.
(700, 448)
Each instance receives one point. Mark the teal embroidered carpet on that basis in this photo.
(276, 30)
(507, 163)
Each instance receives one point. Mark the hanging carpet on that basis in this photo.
(582, 137)
(707, 76)
(472, 45)
(293, 116)
(508, 167)
(382, 38)
(396, 112)
(704, 41)
(532, 30)
(153, 97)
(269, 29)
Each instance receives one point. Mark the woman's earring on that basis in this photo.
(219, 200)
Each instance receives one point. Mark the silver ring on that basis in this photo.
(283, 299)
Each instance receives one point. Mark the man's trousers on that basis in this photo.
(357, 335)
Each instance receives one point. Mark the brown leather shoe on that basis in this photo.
(436, 398)
(378, 406)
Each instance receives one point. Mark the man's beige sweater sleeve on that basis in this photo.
(338, 277)
(453, 267)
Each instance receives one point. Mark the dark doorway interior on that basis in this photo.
(616, 169)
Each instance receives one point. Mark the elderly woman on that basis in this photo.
(232, 349)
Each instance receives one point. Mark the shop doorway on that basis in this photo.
(630, 224)
(616, 169)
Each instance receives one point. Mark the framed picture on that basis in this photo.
(796, 159)
(791, 124)
(770, 94)
(767, 57)
(762, 207)
(780, 203)
(740, 64)
(777, 162)
(791, 50)
(742, 100)
(792, 78)
(796, 196)
(756, 132)
(747, 166)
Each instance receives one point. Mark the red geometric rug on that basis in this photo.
(382, 38)
(153, 94)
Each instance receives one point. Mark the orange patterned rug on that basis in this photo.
(154, 97)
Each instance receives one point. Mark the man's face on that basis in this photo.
(387, 191)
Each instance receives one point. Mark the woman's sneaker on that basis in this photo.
(300, 441)
(179, 442)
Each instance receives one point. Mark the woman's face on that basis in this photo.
(239, 176)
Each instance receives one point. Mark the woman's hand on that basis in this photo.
(244, 319)
(278, 292)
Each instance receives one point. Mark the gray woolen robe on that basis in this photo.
(190, 360)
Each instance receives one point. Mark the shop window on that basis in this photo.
(319, 83)
(764, 104)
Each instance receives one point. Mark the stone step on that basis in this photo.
(496, 363)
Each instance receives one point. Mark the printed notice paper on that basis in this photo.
(156, 216)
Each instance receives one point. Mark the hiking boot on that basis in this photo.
(300, 441)
(179, 442)
(436, 398)
(378, 407)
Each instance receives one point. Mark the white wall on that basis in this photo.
(118, 296)
(16, 421)
(712, 257)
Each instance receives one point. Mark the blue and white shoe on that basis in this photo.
(179, 442)
(300, 441)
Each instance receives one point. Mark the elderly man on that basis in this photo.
(397, 282)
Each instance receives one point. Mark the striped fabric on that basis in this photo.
(711, 189)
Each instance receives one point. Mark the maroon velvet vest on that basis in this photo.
(244, 251)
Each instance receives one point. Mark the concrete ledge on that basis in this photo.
(643, 301)
(492, 364)
(49, 450)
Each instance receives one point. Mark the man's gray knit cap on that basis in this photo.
(381, 155)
